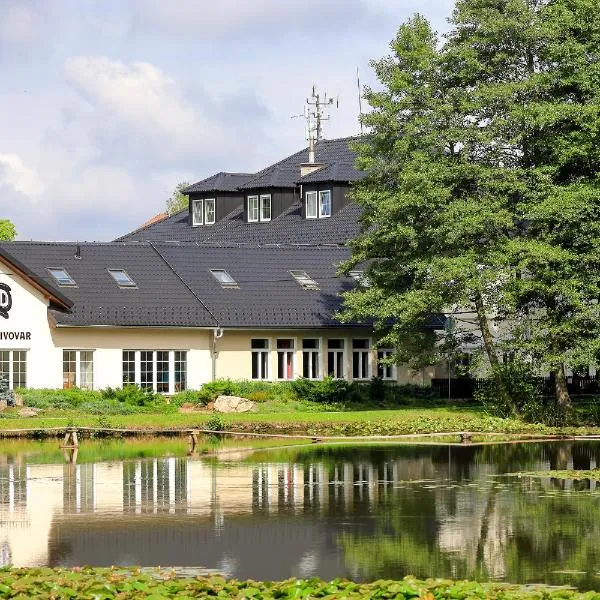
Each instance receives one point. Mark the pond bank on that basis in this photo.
(46, 583)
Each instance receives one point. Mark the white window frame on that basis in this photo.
(11, 365)
(285, 351)
(210, 202)
(362, 376)
(386, 352)
(314, 197)
(311, 352)
(262, 207)
(252, 209)
(322, 215)
(171, 362)
(195, 222)
(267, 349)
(78, 367)
(336, 352)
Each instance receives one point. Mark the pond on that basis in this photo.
(363, 512)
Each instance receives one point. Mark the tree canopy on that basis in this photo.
(7, 230)
(178, 201)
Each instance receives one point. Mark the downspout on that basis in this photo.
(217, 335)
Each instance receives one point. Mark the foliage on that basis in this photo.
(325, 390)
(58, 399)
(178, 201)
(127, 584)
(132, 395)
(215, 423)
(5, 392)
(107, 407)
(185, 397)
(244, 389)
(7, 230)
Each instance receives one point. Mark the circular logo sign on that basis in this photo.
(5, 300)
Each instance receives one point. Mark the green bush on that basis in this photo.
(326, 390)
(5, 392)
(525, 398)
(244, 389)
(132, 395)
(215, 423)
(185, 397)
(58, 399)
(108, 407)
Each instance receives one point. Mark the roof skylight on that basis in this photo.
(122, 278)
(307, 282)
(62, 276)
(223, 277)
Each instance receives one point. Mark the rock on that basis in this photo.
(18, 400)
(28, 412)
(234, 404)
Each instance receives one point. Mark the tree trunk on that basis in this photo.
(560, 387)
(490, 346)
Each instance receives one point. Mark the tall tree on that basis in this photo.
(7, 230)
(435, 218)
(178, 201)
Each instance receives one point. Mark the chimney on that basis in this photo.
(78, 252)
(311, 166)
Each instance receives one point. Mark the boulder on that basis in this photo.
(28, 412)
(234, 404)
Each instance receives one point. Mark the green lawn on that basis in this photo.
(368, 422)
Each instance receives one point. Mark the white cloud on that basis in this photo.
(15, 173)
(19, 24)
(138, 94)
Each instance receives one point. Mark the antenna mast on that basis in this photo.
(359, 101)
(315, 112)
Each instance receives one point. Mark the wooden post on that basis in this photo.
(193, 441)
(466, 438)
(70, 440)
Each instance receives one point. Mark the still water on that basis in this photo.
(363, 512)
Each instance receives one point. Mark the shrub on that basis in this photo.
(244, 388)
(58, 399)
(132, 395)
(327, 390)
(191, 397)
(525, 397)
(259, 396)
(5, 392)
(215, 423)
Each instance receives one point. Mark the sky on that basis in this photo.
(105, 105)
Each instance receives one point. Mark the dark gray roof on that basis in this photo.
(338, 171)
(268, 296)
(220, 182)
(288, 228)
(286, 172)
(160, 298)
(176, 289)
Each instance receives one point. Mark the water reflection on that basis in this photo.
(362, 512)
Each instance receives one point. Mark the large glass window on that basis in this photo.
(147, 369)
(310, 359)
(265, 207)
(86, 369)
(13, 367)
(360, 359)
(180, 371)
(78, 369)
(197, 212)
(311, 205)
(385, 371)
(285, 359)
(324, 203)
(253, 209)
(260, 358)
(69, 368)
(335, 358)
(209, 211)
(163, 371)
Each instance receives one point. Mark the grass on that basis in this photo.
(45, 583)
(365, 422)
(593, 475)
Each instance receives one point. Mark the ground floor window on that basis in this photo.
(335, 358)
(260, 358)
(285, 359)
(78, 369)
(385, 371)
(162, 371)
(360, 359)
(13, 367)
(310, 359)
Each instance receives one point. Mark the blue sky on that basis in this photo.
(106, 104)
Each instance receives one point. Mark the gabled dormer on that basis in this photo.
(212, 199)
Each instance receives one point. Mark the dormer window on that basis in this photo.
(203, 212)
(259, 208)
(318, 204)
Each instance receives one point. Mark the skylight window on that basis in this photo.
(62, 277)
(307, 282)
(224, 278)
(122, 278)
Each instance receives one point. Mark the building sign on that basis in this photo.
(5, 300)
